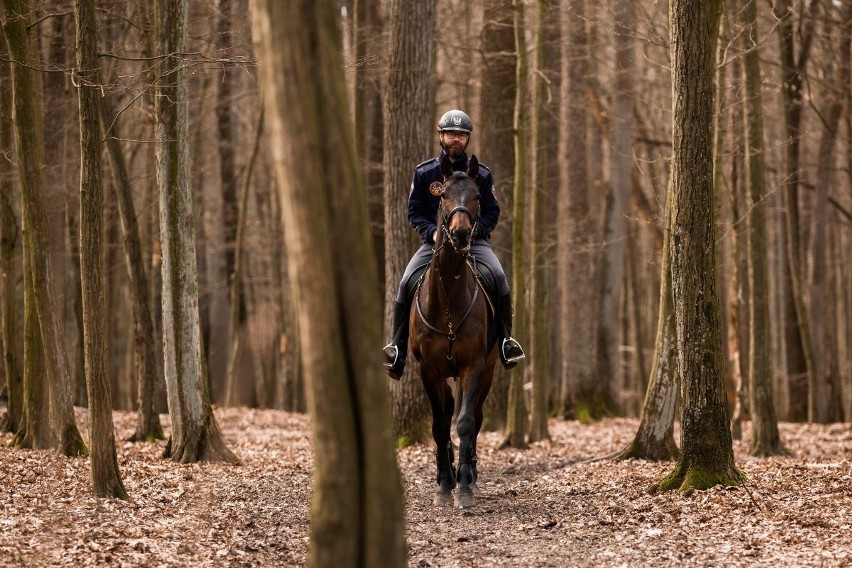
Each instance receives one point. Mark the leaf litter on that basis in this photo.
(545, 506)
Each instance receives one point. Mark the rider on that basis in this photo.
(454, 130)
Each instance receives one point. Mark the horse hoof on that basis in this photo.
(474, 489)
(464, 500)
(442, 499)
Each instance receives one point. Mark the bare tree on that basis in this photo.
(30, 152)
(517, 420)
(540, 327)
(765, 440)
(195, 433)
(496, 146)
(357, 514)
(582, 394)
(707, 457)
(9, 241)
(148, 420)
(408, 107)
(106, 479)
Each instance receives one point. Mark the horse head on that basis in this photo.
(459, 210)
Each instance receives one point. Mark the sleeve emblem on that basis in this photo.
(436, 188)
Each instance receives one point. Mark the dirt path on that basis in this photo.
(546, 506)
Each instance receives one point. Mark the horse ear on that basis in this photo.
(473, 167)
(446, 166)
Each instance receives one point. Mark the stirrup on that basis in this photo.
(511, 353)
(392, 353)
(395, 363)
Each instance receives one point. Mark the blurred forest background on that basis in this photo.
(582, 187)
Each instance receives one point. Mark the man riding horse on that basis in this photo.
(454, 130)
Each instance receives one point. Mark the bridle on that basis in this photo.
(445, 218)
(470, 263)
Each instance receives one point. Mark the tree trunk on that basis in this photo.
(497, 147)
(106, 479)
(707, 457)
(408, 108)
(148, 426)
(824, 394)
(30, 152)
(765, 440)
(621, 165)
(539, 293)
(516, 418)
(357, 512)
(799, 357)
(236, 328)
(654, 439)
(582, 395)
(34, 431)
(9, 241)
(195, 433)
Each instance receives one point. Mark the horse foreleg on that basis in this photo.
(467, 428)
(441, 400)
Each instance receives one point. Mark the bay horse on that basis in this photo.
(449, 335)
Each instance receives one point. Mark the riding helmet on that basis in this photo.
(455, 120)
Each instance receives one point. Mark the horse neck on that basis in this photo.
(449, 273)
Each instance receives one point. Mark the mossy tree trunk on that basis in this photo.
(408, 129)
(106, 479)
(707, 457)
(30, 151)
(357, 514)
(195, 433)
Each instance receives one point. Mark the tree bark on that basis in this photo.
(516, 418)
(707, 457)
(30, 152)
(540, 328)
(583, 396)
(357, 514)
(654, 439)
(9, 244)
(195, 433)
(799, 355)
(148, 426)
(408, 103)
(497, 147)
(765, 439)
(621, 165)
(106, 479)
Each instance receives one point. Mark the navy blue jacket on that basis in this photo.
(424, 197)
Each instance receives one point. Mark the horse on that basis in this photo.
(449, 335)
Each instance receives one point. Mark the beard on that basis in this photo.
(455, 149)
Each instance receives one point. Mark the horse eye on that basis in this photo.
(443, 195)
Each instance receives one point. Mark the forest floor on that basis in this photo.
(545, 506)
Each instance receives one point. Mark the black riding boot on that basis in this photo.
(397, 350)
(511, 352)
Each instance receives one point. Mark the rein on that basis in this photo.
(451, 332)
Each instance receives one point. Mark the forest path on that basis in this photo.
(546, 506)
